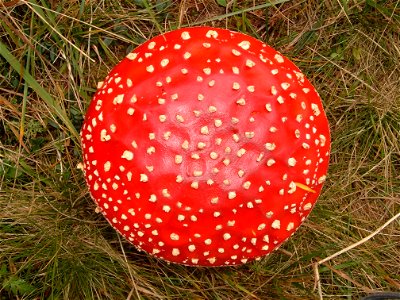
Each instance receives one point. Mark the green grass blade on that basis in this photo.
(238, 12)
(54, 106)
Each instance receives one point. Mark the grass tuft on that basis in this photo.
(53, 245)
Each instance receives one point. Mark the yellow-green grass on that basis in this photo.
(52, 243)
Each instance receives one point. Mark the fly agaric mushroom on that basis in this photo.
(205, 147)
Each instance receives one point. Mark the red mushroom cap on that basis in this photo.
(205, 147)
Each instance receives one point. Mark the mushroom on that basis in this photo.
(205, 147)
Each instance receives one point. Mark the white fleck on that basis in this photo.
(133, 98)
(251, 88)
(241, 101)
(290, 226)
(217, 123)
(200, 97)
(285, 85)
(151, 150)
(201, 145)
(279, 58)
(204, 130)
(207, 71)
(175, 252)
(166, 208)
(246, 185)
(235, 70)
(231, 195)
(212, 33)
(276, 224)
(185, 145)
(165, 193)
(260, 157)
(107, 166)
(180, 118)
(194, 185)
(274, 71)
(128, 155)
(118, 99)
(245, 45)
(236, 52)
(164, 62)
(236, 137)
(322, 179)
(211, 260)
(153, 198)
(236, 86)
(174, 237)
(212, 109)
(130, 111)
(270, 146)
(150, 68)
(197, 173)
(241, 152)
(185, 35)
(208, 242)
(250, 63)
(178, 159)
(268, 107)
(144, 178)
(249, 134)
(195, 156)
(132, 56)
(187, 55)
(270, 162)
(292, 187)
(197, 113)
(292, 161)
(315, 109)
(214, 200)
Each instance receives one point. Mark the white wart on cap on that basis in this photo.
(205, 147)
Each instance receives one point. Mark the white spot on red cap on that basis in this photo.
(128, 155)
(185, 35)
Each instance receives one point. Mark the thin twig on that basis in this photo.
(360, 242)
